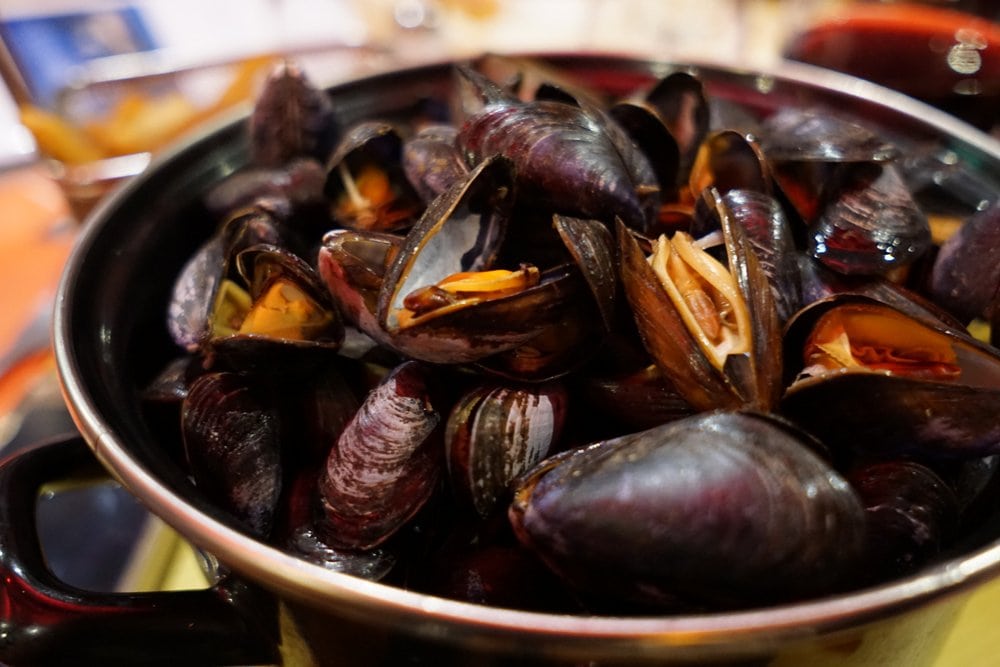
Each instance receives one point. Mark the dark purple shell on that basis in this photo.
(722, 507)
(383, 468)
(911, 512)
(432, 162)
(870, 225)
(966, 275)
(232, 437)
(563, 159)
(496, 433)
(292, 118)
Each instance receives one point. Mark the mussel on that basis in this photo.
(496, 433)
(383, 467)
(731, 508)
(710, 326)
(902, 380)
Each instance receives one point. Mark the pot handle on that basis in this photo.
(45, 621)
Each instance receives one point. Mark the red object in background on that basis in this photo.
(944, 57)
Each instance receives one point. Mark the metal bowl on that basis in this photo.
(110, 339)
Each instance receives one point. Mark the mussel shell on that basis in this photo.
(649, 132)
(568, 330)
(911, 513)
(496, 433)
(432, 162)
(747, 380)
(592, 247)
(720, 507)
(763, 219)
(730, 160)
(820, 135)
(195, 287)
(260, 265)
(564, 159)
(665, 335)
(384, 466)
(462, 230)
(380, 143)
(352, 265)
(291, 118)
(966, 276)
(680, 101)
(232, 442)
(880, 412)
(870, 224)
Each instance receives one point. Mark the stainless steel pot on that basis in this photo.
(110, 339)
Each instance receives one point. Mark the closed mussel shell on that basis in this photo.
(231, 438)
(911, 513)
(728, 508)
(496, 433)
(384, 466)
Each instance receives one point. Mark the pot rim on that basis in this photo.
(446, 618)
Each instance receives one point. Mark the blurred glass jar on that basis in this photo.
(103, 130)
(944, 53)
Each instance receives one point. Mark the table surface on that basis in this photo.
(35, 239)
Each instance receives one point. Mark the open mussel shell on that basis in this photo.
(366, 183)
(195, 288)
(461, 232)
(567, 328)
(903, 381)
(680, 101)
(723, 507)
(750, 374)
(765, 224)
(283, 319)
(592, 247)
(729, 160)
(352, 265)
(650, 134)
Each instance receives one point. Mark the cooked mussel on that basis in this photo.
(902, 380)
(232, 436)
(431, 160)
(291, 118)
(366, 184)
(384, 466)
(730, 508)
(279, 315)
(196, 289)
(495, 433)
(965, 279)
(565, 161)
(910, 512)
(710, 326)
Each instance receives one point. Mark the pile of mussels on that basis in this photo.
(559, 352)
